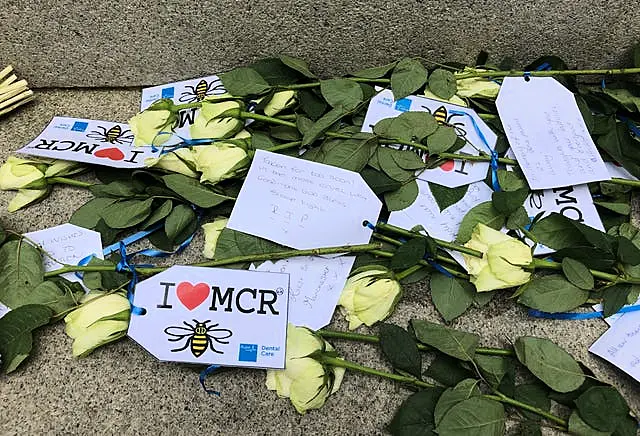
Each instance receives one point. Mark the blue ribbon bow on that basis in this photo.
(579, 315)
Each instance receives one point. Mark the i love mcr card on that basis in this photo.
(89, 141)
(215, 316)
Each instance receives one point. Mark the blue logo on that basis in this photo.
(168, 92)
(79, 126)
(403, 105)
(248, 353)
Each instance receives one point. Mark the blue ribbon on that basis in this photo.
(124, 265)
(544, 67)
(203, 375)
(369, 225)
(579, 315)
(527, 75)
(131, 239)
(630, 124)
(184, 142)
(494, 154)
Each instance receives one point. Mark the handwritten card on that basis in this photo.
(89, 141)
(303, 204)
(440, 224)
(451, 173)
(186, 91)
(620, 345)
(66, 244)
(547, 133)
(314, 288)
(213, 316)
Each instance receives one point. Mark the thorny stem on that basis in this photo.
(316, 84)
(70, 182)
(230, 260)
(397, 243)
(333, 334)
(340, 363)
(547, 264)
(453, 272)
(551, 73)
(407, 272)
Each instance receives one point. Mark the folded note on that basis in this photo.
(620, 344)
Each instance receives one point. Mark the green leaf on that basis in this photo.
(302, 123)
(455, 343)
(408, 76)
(104, 280)
(602, 407)
(275, 72)
(557, 232)
(510, 181)
(518, 218)
(400, 349)
(483, 213)
(628, 252)
(296, 64)
(577, 273)
(445, 196)
(408, 160)
(614, 297)
(378, 181)
(443, 83)
(178, 220)
(343, 93)
(552, 293)
(619, 144)
(403, 197)
(89, 214)
(464, 390)
(117, 188)
(619, 208)
(126, 213)
(194, 192)
(50, 295)
(3, 235)
(451, 296)
(244, 81)
(375, 72)
(580, 428)
(15, 333)
(312, 105)
(535, 395)
(408, 126)
(350, 154)
(391, 167)
(414, 417)
(409, 254)
(442, 139)
(232, 243)
(323, 124)
(549, 363)
(493, 368)
(507, 202)
(158, 214)
(447, 371)
(285, 133)
(476, 416)
(21, 271)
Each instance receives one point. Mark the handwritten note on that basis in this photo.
(452, 173)
(440, 224)
(89, 141)
(547, 133)
(620, 345)
(315, 285)
(303, 204)
(66, 244)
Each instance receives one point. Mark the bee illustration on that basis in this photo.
(114, 135)
(444, 119)
(199, 337)
(201, 90)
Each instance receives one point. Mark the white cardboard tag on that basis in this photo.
(186, 91)
(618, 171)
(3, 310)
(303, 204)
(620, 345)
(315, 286)
(440, 224)
(213, 316)
(89, 141)
(452, 173)
(67, 243)
(547, 133)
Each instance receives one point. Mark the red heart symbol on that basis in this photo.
(192, 296)
(110, 153)
(447, 166)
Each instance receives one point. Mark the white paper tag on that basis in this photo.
(186, 91)
(440, 224)
(213, 316)
(89, 141)
(618, 171)
(315, 287)
(4, 310)
(68, 244)
(616, 316)
(303, 204)
(547, 133)
(452, 173)
(620, 345)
